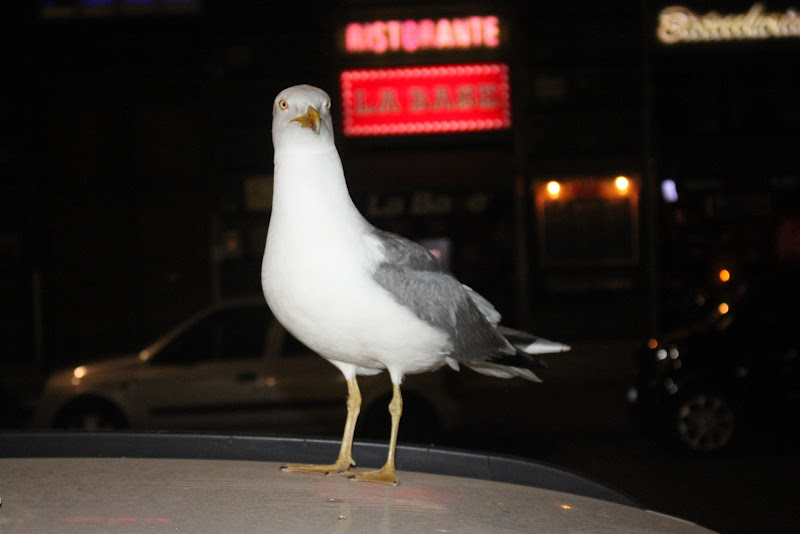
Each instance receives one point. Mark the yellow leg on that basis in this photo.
(345, 459)
(386, 474)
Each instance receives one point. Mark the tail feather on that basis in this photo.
(515, 357)
(530, 343)
(503, 371)
(523, 361)
(520, 360)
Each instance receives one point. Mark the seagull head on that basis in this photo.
(301, 119)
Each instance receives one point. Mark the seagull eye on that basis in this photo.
(283, 104)
(328, 105)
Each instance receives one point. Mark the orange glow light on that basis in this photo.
(724, 275)
(622, 184)
(553, 189)
(723, 308)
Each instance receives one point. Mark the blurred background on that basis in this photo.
(604, 172)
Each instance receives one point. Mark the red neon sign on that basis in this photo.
(426, 100)
(412, 35)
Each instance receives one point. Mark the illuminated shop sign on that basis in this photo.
(425, 100)
(417, 35)
(679, 24)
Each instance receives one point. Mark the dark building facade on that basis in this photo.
(138, 161)
(726, 122)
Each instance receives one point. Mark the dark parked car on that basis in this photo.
(735, 375)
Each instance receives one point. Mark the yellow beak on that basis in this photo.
(310, 120)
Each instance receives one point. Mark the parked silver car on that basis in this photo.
(234, 367)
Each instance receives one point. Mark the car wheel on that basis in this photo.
(704, 422)
(91, 415)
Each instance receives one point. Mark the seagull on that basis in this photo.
(365, 299)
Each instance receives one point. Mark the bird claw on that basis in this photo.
(315, 469)
(385, 475)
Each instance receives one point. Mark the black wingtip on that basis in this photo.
(518, 359)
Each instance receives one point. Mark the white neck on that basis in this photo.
(311, 186)
(311, 203)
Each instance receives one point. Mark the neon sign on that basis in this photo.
(425, 100)
(677, 23)
(417, 35)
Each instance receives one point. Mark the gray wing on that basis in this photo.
(416, 279)
(486, 307)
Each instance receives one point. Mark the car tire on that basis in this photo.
(704, 422)
(91, 414)
(418, 424)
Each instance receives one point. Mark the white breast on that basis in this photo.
(317, 279)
